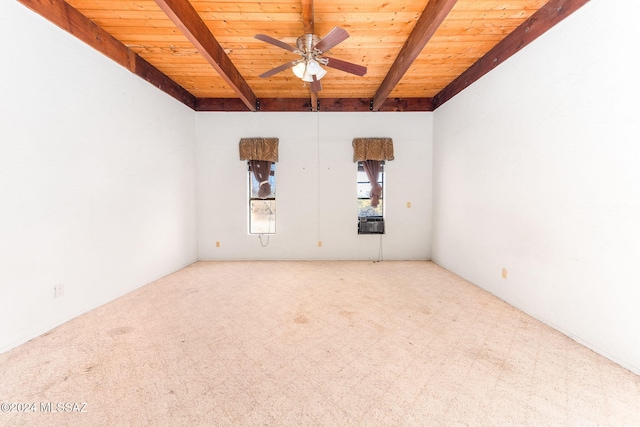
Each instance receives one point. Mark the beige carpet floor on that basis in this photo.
(312, 344)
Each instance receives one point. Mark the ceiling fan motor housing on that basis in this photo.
(306, 43)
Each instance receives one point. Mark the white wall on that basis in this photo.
(97, 180)
(316, 186)
(536, 171)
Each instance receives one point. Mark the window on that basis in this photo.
(262, 210)
(365, 208)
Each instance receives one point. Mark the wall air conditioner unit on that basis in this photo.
(370, 225)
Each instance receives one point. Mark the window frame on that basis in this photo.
(253, 187)
(373, 212)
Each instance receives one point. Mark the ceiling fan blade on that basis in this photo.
(316, 86)
(278, 69)
(356, 69)
(276, 42)
(333, 37)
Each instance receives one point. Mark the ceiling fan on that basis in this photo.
(312, 48)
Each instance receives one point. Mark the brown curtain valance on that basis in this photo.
(259, 149)
(372, 149)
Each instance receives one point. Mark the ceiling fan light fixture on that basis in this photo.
(314, 68)
(321, 73)
(299, 69)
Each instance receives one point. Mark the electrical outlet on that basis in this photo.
(217, 244)
(504, 273)
(319, 243)
(58, 290)
(409, 205)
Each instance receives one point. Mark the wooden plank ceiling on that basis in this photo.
(418, 53)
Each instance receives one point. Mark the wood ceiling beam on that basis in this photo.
(314, 101)
(326, 104)
(307, 17)
(434, 13)
(221, 104)
(72, 21)
(186, 18)
(545, 18)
